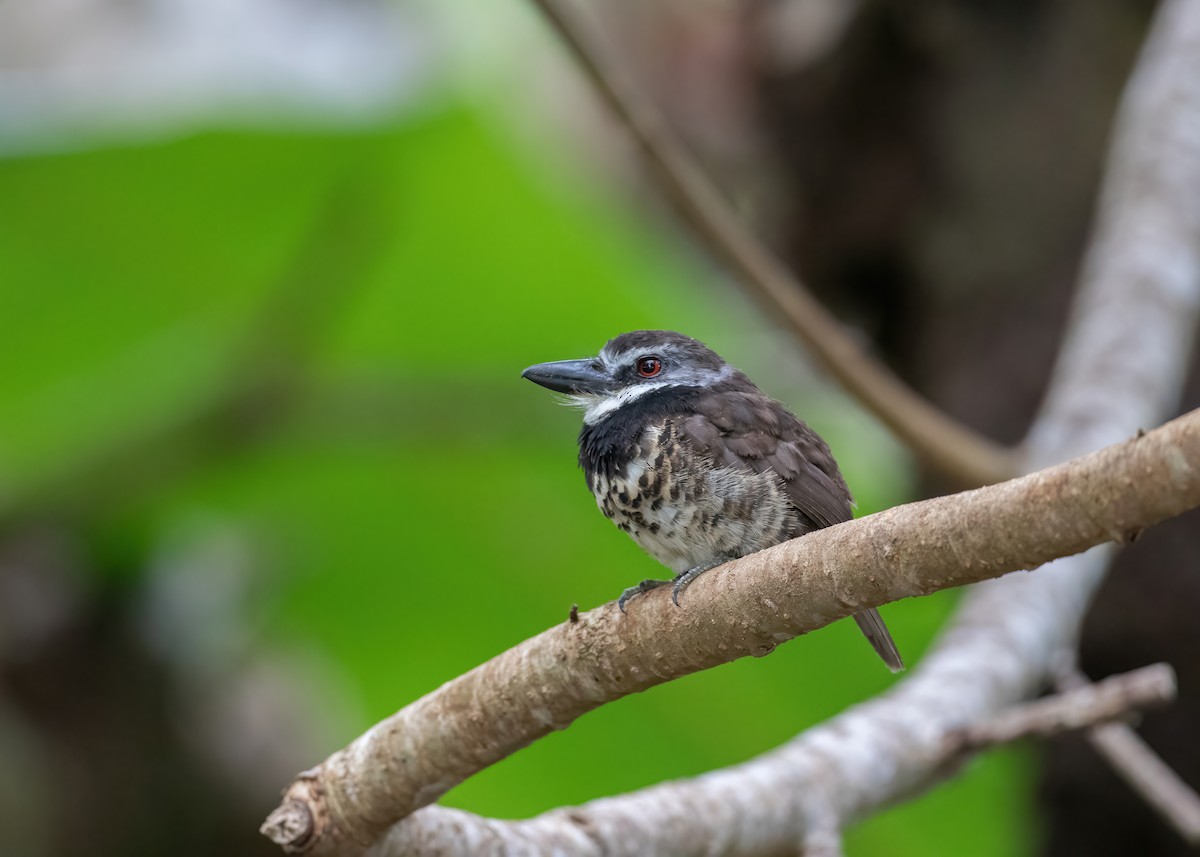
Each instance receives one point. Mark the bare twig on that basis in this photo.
(1071, 710)
(822, 834)
(822, 827)
(1133, 760)
(746, 607)
(955, 450)
(1146, 773)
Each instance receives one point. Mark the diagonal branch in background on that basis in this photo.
(952, 448)
(745, 607)
(1072, 709)
(1133, 321)
(1135, 762)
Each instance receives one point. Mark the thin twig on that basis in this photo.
(822, 842)
(822, 832)
(952, 448)
(1144, 770)
(1080, 707)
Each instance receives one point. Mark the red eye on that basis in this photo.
(648, 367)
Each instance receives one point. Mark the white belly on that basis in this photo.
(690, 516)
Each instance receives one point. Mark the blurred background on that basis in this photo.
(269, 272)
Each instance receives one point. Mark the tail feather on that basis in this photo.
(871, 624)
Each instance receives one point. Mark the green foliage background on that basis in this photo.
(317, 338)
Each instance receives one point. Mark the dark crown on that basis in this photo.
(682, 348)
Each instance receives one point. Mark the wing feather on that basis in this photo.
(753, 431)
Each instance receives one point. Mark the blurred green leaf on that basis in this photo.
(417, 505)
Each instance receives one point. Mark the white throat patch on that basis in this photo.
(596, 408)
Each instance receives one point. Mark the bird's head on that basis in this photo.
(630, 367)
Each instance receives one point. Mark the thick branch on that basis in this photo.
(952, 448)
(746, 607)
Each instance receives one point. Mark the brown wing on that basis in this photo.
(752, 430)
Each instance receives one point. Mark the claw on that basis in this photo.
(684, 578)
(641, 588)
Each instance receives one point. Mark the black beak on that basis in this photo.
(570, 376)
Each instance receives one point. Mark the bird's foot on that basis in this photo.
(684, 578)
(643, 587)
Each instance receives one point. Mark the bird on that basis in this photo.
(699, 466)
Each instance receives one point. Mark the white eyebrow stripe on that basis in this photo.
(668, 350)
(597, 407)
(670, 353)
